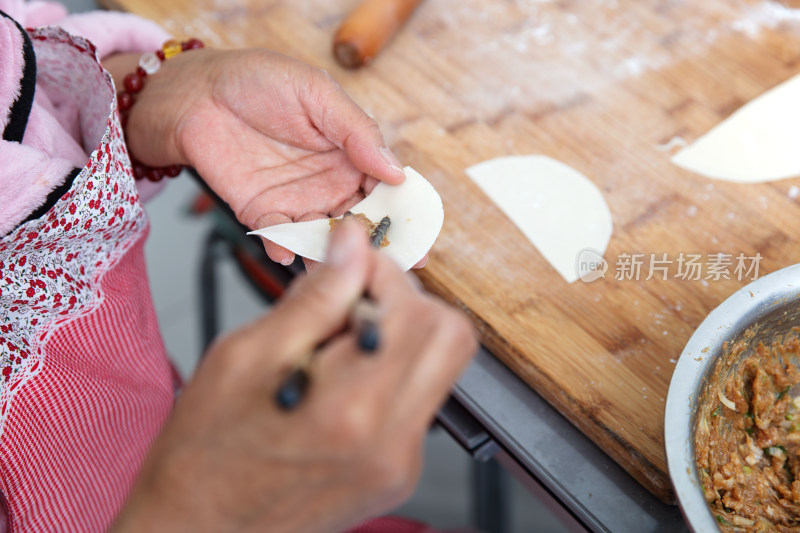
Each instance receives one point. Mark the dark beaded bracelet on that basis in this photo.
(149, 64)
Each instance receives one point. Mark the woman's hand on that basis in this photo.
(278, 140)
(229, 460)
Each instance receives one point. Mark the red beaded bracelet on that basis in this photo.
(149, 64)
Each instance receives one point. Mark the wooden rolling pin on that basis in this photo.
(370, 26)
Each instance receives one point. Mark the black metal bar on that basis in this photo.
(490, 497)
(462, 426)
(209, 321)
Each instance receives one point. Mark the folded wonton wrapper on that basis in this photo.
(414, 208)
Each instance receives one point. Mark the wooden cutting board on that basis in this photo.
(599, 85)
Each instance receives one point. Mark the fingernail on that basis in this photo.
(390, 158)
(344, 244)
(287, 260)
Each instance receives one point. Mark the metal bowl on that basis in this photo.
(772, 304)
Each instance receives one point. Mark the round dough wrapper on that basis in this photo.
(756, 143)
(414, 208)
(560, 211)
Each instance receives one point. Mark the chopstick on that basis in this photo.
(363, 318)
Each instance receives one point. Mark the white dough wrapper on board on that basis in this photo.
(558, 209)
(759, 142)
(414, 208)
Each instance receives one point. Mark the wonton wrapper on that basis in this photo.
(560, 211)
(414, 207)
(759, 142)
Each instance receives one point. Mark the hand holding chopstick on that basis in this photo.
(364, 319)
(350, 449)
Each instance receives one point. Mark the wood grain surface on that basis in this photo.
(599, 85)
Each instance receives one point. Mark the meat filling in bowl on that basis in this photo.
(747, 437)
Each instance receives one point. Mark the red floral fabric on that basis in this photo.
(84, 381)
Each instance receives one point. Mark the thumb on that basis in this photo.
(347, 126)
(318, 306)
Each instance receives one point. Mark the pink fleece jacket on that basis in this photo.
(53, 144)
